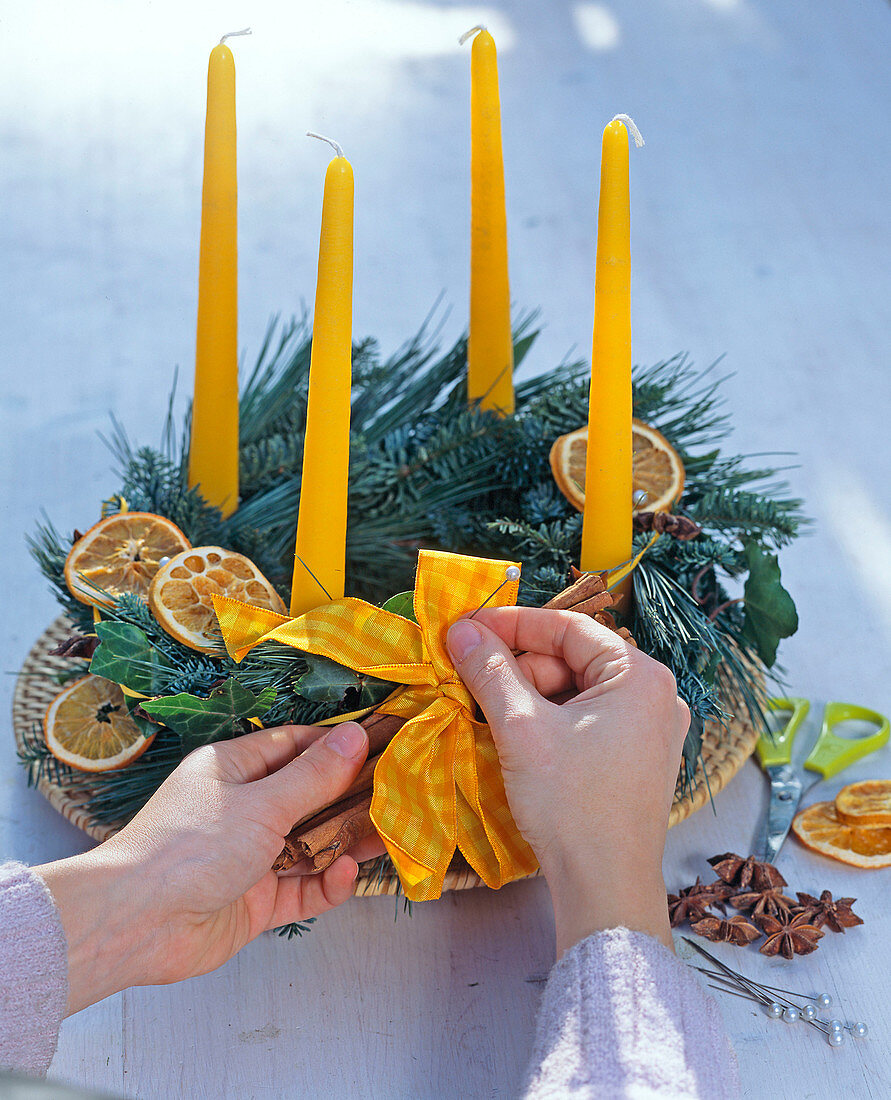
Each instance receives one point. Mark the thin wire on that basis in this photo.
(314, 577)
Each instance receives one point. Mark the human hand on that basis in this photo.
(589, 781)
(187, 883)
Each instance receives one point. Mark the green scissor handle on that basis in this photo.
(832, 754)
(777, 748)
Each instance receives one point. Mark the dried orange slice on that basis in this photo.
(121, 553)
(657, 473)
(180, 595)
(819, 828)
(88, 727)
(867, 803)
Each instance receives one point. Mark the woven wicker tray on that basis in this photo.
(724, 751)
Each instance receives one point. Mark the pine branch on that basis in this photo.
(747, 514)
(426, 470)
(39, 762)
(49, 549)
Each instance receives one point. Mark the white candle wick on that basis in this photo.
(334, 144)
(235, 34)
(469, 34)
(632, 128)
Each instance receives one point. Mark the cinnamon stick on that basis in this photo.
(363, 782)
(333, 831)
(600, 602)
(381, 729)
(582, 589)
(588, 595)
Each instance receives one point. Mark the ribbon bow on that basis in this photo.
(438, 784)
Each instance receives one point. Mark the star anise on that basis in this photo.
(792, 935)
(737, 930)
(667, 523)
(821, 911)
(720, 892)
(745, 872)
(690, 904)
(755, 902)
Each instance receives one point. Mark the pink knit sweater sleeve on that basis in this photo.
(33, 971)
(622, 1017)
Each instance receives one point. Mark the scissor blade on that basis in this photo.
(785, 794)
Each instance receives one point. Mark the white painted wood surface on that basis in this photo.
(760, 229)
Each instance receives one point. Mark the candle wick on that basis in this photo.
(469, 34)
(235, 34)
(632, 127)
(334, 144)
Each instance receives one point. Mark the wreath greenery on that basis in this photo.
(427, 470)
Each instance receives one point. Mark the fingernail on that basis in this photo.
(463, 636)
(346, 740)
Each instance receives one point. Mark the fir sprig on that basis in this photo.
(49, 549)
(426, 470)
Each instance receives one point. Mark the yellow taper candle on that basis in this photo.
(606, 525)
(213, 451)
(490, 352)
(319, 562)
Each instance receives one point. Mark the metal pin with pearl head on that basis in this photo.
(791, 1014)
(859, 1030)
(639, 497)
(824, 1000)
(809, 1012)
(835, 1038)
(774, 1010)
(512, 573)
(164, 560)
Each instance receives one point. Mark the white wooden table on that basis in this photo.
(760, 229)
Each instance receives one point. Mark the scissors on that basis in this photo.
(830, 755)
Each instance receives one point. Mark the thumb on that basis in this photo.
(317, 777)
(489, 670)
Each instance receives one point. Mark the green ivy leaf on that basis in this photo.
(328, 682)
(769, 610)
(126, 656)
(146, 725)
(403, 603)
(693, 745)
(219, 717)
(710, 668)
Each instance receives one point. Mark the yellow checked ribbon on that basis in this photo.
(438, 784)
